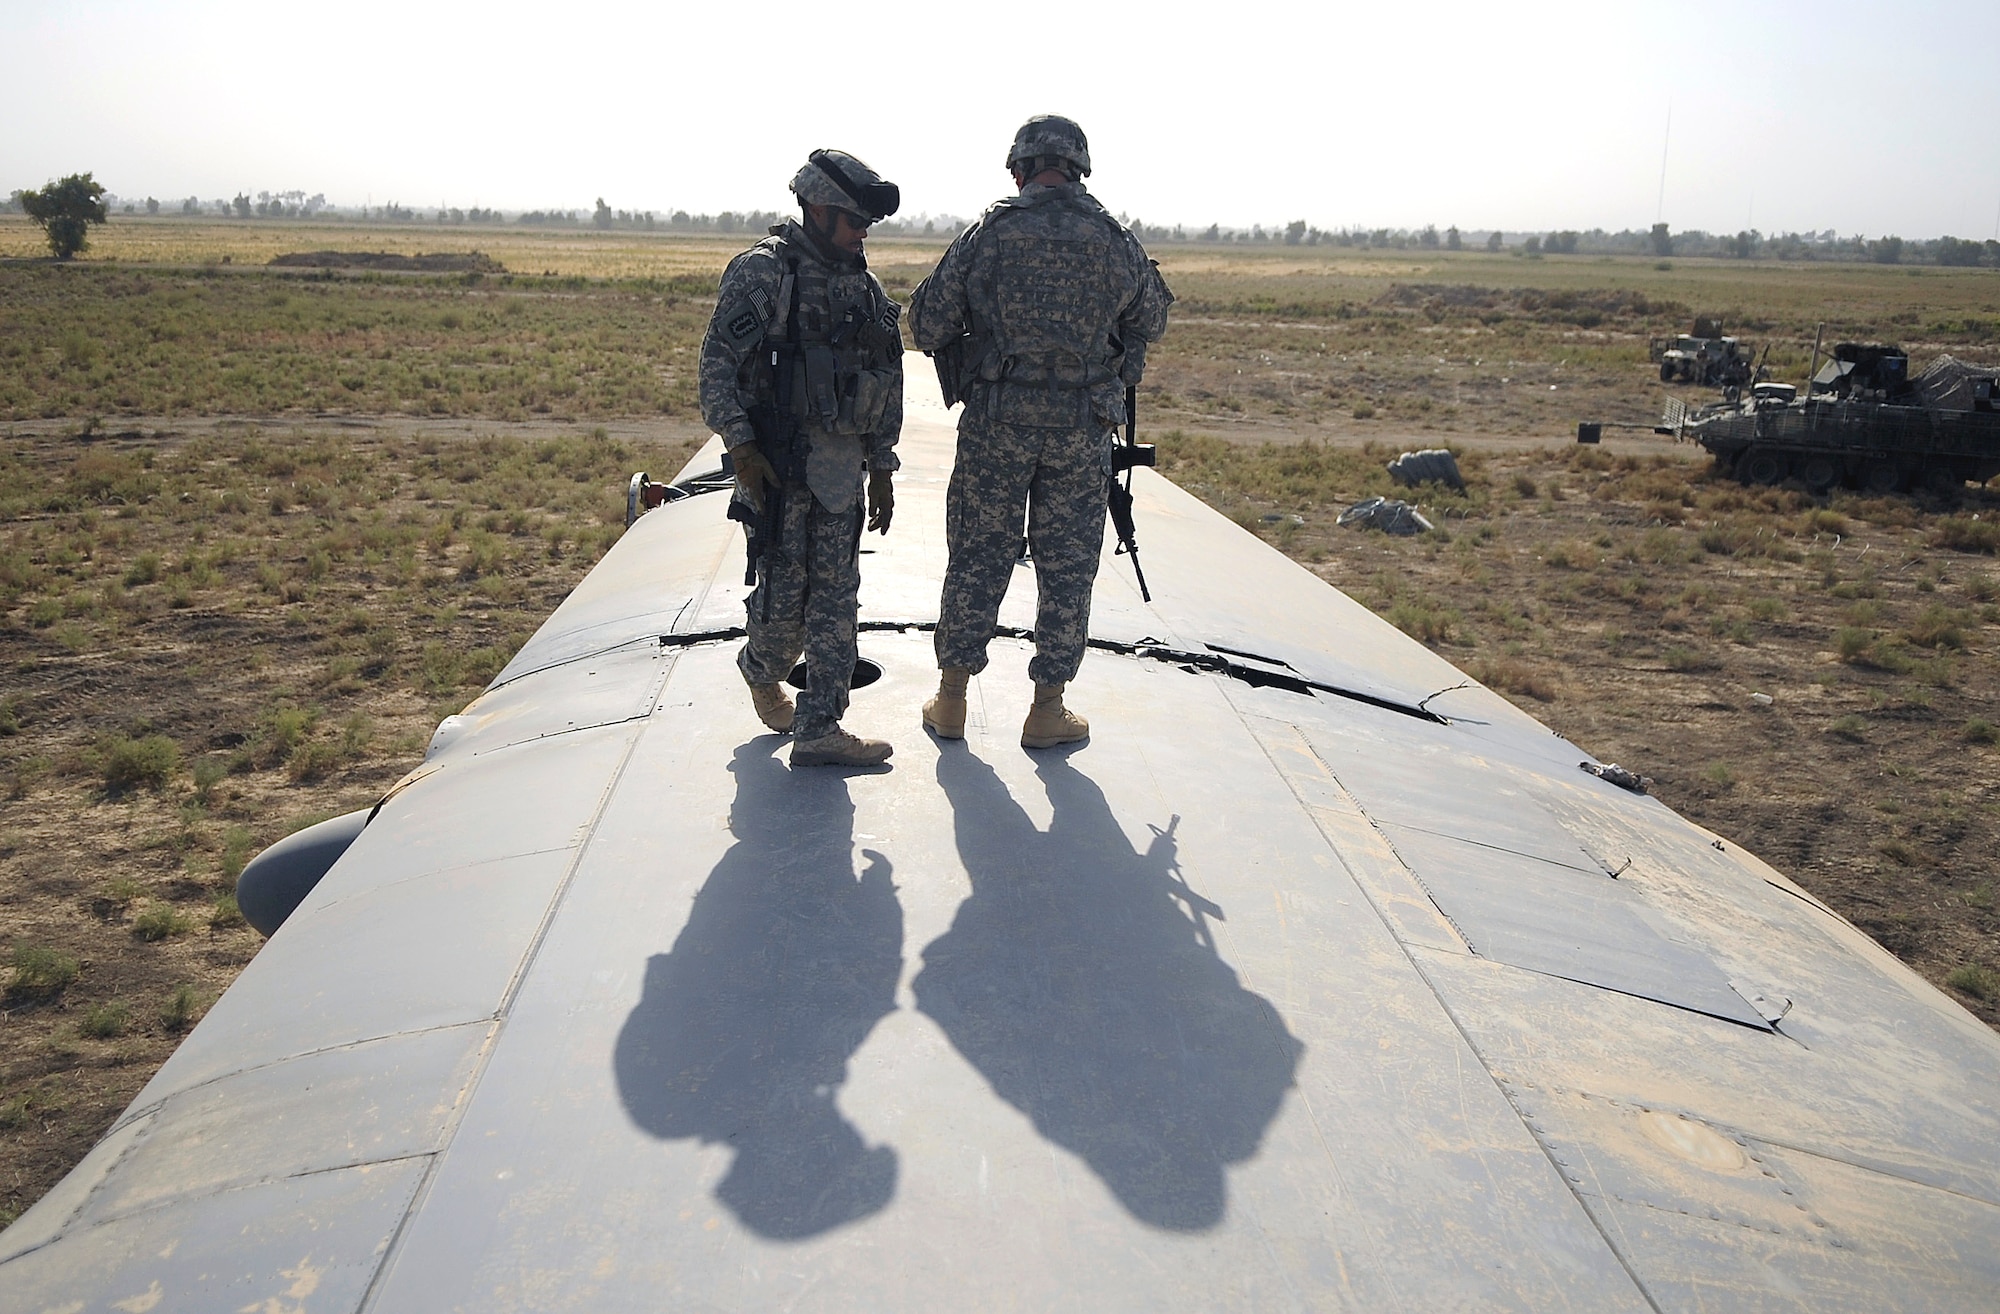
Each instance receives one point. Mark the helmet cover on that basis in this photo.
(844, 182)
(1051, 134)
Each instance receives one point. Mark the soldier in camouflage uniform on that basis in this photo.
(1048, 302)
(802, 304)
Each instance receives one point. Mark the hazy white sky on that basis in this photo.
(1864, 117)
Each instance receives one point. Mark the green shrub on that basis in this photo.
(1684, 660)
(41, 972)
(313, 761)
(105, 1021)
(1850, 728)
(158, 921)
(1967, 534)
(236, 843)
(1979, 730)
(225, 914)
(1938, 627)
(284, 728)
(145, 569)
(183, 1008)
(147, 763)
(208, 773)
(1424, 619)
(1974, 981)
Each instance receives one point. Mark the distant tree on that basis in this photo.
(192, 205)
(241, 205)
(1493, 240)
(1533, 246)
(1951, 251)
(1562, 243)
(1743, 245)
(1452, 241)
(1993, 253)
(1428, 239)
(1295, 232)
(1663, 241)
(66, 210)
(1214, 233)
(603, 216)
(152, 206)
(1886, 251)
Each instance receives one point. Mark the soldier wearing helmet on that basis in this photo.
(802, 376)
(1047, 303)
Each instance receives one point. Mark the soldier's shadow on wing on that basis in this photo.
(1082, 980)
(744, 1031)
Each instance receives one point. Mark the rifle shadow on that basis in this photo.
(1082, 980)
(744, 1029)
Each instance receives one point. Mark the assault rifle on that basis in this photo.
(777, 430)
(1125, 455)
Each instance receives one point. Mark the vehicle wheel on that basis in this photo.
(1666, 371)
(1761, 467)
(1944, 480)
(1818, 473)
(1882, 477)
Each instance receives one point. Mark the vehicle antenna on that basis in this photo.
(1660, 212)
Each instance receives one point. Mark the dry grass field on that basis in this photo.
(260, 529)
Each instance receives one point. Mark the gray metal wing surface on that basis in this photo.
(1320, 978)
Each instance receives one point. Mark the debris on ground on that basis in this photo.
(1612, 773)
(1433, 465)
(1399, 518)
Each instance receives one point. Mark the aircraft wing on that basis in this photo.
(1321, 977)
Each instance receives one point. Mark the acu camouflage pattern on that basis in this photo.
(1067, 301)
(808, 582)
(1066, 298)
(1061, 476)
(837, 298)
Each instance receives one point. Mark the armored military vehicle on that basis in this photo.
(1704, 357)
(1864, 422)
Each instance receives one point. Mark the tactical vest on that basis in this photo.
(1059, 281)
(844, 368)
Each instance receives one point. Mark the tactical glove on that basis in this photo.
(752, 472)
(881, 500)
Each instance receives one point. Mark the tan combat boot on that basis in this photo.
(774, 707)
(838, 748)
(1050, 723)
(944, 714)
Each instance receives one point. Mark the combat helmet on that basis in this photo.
(1051, 134)
(840, 180)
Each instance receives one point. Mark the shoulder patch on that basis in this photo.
(742, 322)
